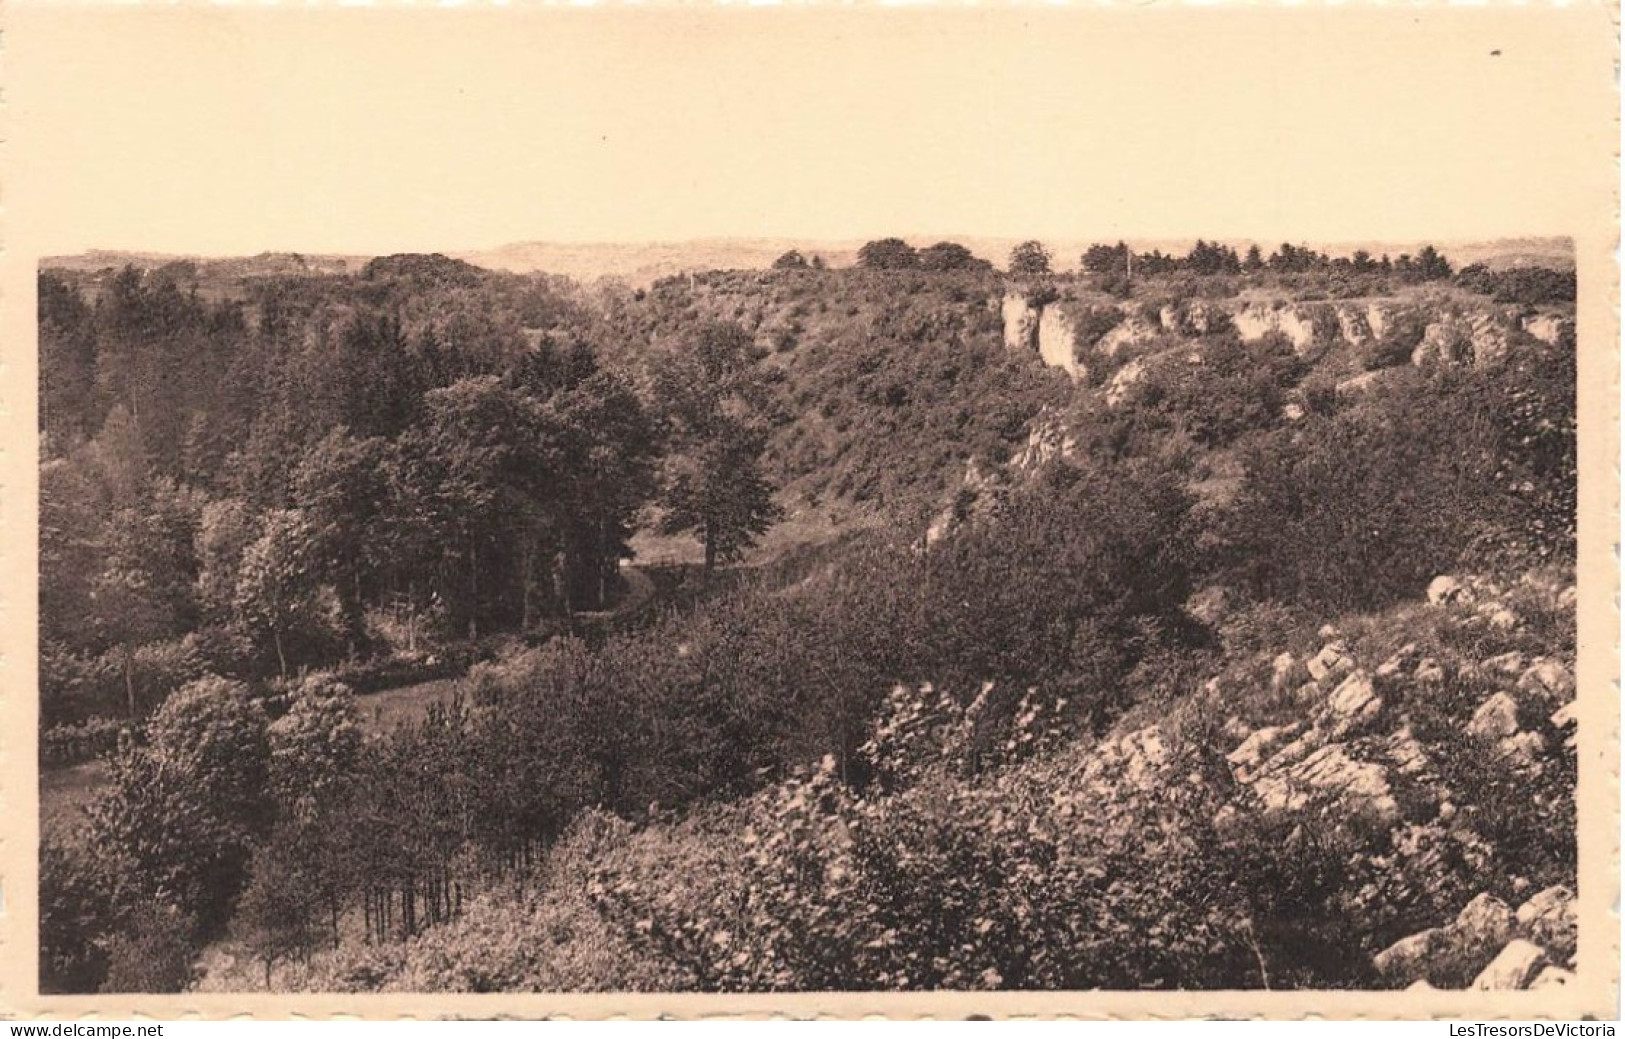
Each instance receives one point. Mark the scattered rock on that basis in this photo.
(1525, 748)
(1567, 598)
(1513, 968)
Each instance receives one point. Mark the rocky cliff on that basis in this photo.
(1439, 332)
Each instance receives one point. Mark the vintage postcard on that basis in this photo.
(1088, 510)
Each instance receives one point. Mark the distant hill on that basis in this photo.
(640, 263)
(264, 264)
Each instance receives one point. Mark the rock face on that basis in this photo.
(1045, 330)
(1549, 328)
(1480, 339)
(1382, 318)
(1255, 320)
(1353, 325)
(1131, 333)
(1020, 322)
(1057, 342)
(1117, 389)
(1047, 442)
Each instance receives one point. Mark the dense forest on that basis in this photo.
(713, 710)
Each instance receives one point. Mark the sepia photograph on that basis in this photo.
(622, 504)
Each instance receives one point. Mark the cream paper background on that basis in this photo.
(229, 129)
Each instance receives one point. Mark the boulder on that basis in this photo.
(1209, 605)
(1332, 660)
(1048, 441)
(1246, 758)
(1566, 716)
(1505, 663)
(1429, 671)
(1327, 772)
(1500, 618)
(1406, 752)
(1408, 960)
(1445, 589)
(1403, 659)
(1513, 968)
(1495, 719)
(1203, 317)
(1352, 706)
(1548, 919)
(1359, 384)
(1485, 922)
(1549, 679)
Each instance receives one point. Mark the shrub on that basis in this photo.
(151, 951)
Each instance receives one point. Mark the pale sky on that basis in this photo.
(236, 129)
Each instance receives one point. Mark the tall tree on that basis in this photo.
(1030, 259)
(887, 254)
(278, 584)
(710, 397)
